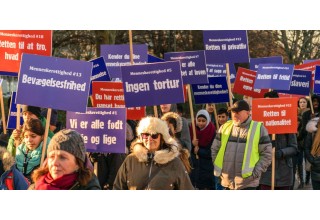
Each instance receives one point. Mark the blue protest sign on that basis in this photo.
(99, 71)
(52, 82)
(152, 84)
(214, 92)
(300, 83)
(12, 117)
(316, 88)
(254, 62)
(274, 76)
(226, 46)
(220, 69)
(308, 61)
(154, 59)
(119, 55)
(193, 66)
(103, 129)
(2, 73)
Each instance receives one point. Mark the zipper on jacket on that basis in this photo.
(235, 156)
(150, 169)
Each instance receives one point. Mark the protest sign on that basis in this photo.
(279, 115)
(154, 59)
(244, 84)
(52, 82)
(220, 69)
(216, 91)
(13, 43)
(274, 76)
(152, 84)
(119, 55)
(226, 46)
(311, 66)
(99, 71)
(254, 62)
(300, 83)
(193, 66)
(12, 117)
(110, 95)
(103, 129)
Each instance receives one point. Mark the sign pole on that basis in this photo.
(44, 144)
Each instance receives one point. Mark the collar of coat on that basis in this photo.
(162, 156)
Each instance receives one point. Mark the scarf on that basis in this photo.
(46, 182)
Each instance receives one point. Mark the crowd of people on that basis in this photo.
(225, 150)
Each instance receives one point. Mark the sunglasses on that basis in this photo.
(146, 135)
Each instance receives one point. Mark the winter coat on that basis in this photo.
(12, 149)
(10, 171)
(33, 158)
(231, 176)
(92, 185)
(315, 161)
(287, 144)
(163, 171)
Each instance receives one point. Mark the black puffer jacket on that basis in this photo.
(287, 144)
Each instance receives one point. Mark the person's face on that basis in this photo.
(201, 122)
(28, 115)
(210, 107)
(61, 163)
(165, 108)
(222, 118)
(151, 141)
(240, 117)
(32, 140)
(302, 104)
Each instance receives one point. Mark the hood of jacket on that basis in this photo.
(162, 156)
(6, 158)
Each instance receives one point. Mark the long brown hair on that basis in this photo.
(85, 174)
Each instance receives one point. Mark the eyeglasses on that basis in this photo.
(146, 135)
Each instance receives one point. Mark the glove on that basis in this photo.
(279, 154)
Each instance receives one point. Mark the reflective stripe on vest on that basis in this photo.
(251, 152)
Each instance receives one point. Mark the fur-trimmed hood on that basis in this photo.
(153, 125)
(176, 117)
(6, 158)
(162, 156)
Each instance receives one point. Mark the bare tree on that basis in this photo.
(299, 45)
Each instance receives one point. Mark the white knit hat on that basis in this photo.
(154, 125)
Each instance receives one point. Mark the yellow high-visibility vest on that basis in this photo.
(251, 152)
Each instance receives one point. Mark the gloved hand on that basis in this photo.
(279, 154)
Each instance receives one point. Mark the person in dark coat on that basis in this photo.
(306, 117)
(312, 151)
(202, 175)
(154, 163)
(286, 148)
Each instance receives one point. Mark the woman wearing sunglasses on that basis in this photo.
(154, 162)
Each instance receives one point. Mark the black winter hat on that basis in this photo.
(33, 109)
(240, 105)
